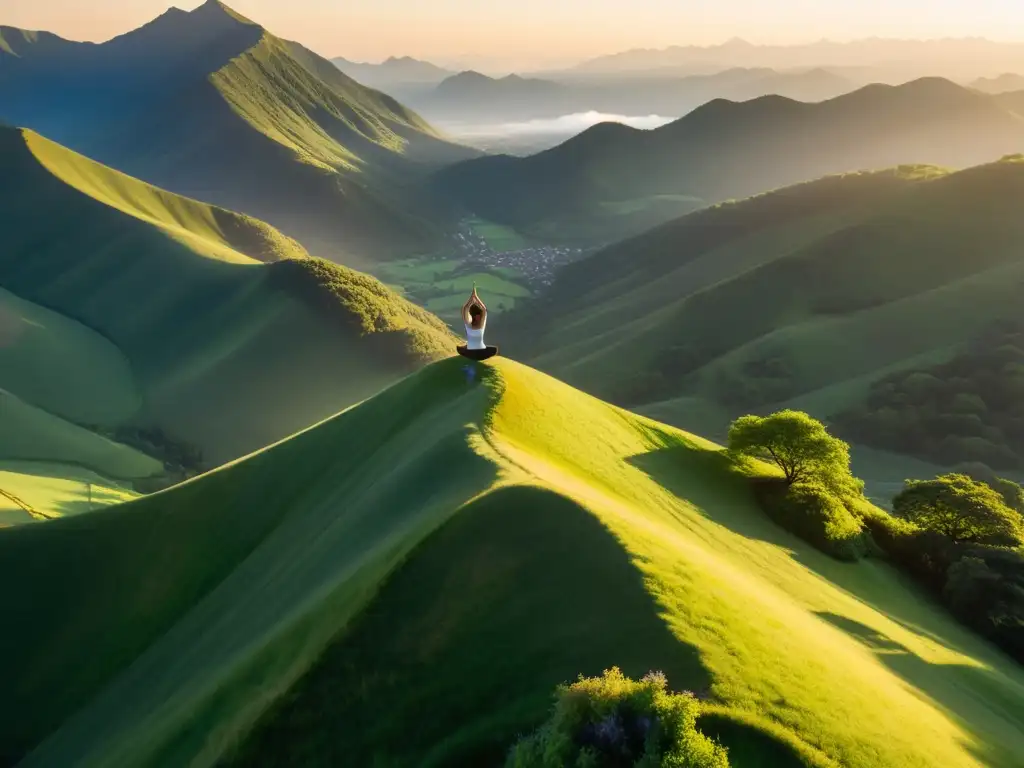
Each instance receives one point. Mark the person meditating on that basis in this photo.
(474, 316)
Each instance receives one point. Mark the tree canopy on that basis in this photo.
(798, 444)
(960, 508)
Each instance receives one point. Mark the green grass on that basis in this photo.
(417, 271)
(28, 433)
(499, 237)
(63, 366)
(635, 205)
(163, 310)
(54, 490)
(465, 547)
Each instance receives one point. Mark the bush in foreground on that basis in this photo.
(615, 722)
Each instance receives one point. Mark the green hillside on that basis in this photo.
(210, 105)
(612, 181)
(804, 296)
(147, 309)
(464, 545)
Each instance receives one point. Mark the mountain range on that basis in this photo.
(612, 180)
(886, 59)
(210, 105)
(1004, 83)
(394, 73)
(148, 310)
(470, 97)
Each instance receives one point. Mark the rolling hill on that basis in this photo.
(611, 180)
(210, 105)
(466, 544)
(803, 296)
(122, 305)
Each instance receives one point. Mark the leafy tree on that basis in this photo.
(612, 721)
(959, 508)
(798, 444)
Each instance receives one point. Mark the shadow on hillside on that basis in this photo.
(968, 695)
(99, 498)
(971, 695)
(708, 481)
(462, 648)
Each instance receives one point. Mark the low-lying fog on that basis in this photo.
(525, 137)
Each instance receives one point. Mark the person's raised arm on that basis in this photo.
(478, 300)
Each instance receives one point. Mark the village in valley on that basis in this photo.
(505, 266)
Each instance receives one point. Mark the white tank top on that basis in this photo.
(475, 337)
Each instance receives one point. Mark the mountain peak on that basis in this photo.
(214, 9)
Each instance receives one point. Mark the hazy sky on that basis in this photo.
(543, 32)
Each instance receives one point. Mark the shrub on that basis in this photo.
(612, 721)
(816, 515)
(960, 508)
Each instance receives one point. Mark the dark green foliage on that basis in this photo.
(966, 410)
(399, 333)
(614, 722)
(813, 498)
(816, 515)
(961, 509)
(798, 445)
(981, 584)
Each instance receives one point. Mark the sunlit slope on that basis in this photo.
(211, 105)
(537, 533)
(180, 314)
(792, 292)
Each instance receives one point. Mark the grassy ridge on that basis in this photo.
(542, 487)
(184, 314)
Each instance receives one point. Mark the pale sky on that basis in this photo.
(543, 32)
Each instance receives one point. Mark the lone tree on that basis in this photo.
(798, 444)
(961, 509)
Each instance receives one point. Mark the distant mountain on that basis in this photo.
(611, 180)
(802, 297)
(1001, 84)
(165, 312)
(473, 98)
(395, 71)
(963, 59)
(211, 105)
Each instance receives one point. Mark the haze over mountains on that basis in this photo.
(210, 105)
(470, 96)
(612, 180)
(886, 60)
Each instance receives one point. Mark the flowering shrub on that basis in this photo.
(615, 722)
